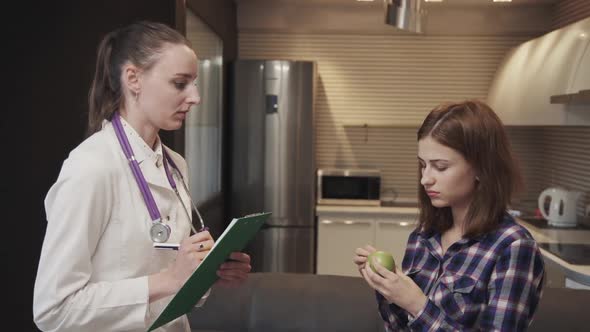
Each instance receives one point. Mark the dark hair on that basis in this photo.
(141, 44)
(475, 131)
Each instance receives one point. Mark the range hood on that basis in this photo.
(545, 81)
(581, 97)
(405, 15)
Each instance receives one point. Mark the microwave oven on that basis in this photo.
(348, 187)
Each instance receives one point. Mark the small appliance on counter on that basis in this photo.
(388, 197)
(558, 206)
(360, 187)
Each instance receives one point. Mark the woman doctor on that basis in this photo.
(121, 190)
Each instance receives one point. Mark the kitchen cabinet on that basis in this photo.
(554, 274)
(391, 235)
(339, 236)
(556, 277)
(337, 239)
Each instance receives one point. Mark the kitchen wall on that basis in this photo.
(367, 18)
(569, 11)
(376, 84)
(388, 82)
(553, 156)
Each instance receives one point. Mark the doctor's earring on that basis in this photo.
(136, 96)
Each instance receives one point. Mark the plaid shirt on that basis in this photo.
(491, 283)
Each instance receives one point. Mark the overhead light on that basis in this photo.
(502, 0)
(405, 15)
(433, 0)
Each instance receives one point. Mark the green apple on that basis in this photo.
(383, 258)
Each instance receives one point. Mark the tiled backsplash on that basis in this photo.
(552, 156)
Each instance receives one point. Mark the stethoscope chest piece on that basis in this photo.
(160, 232)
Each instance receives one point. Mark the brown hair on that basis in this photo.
(141, 44)
(475, 131)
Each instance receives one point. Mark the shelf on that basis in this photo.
(582, 97)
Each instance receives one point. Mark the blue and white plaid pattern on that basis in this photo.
(491, 283)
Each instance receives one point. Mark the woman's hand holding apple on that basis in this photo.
(361, 256)
(396, 287)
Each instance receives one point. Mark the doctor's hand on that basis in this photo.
(396, 287)
(360, 257)
(234, 271)
(190, 254)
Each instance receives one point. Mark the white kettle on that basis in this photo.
(561, 210)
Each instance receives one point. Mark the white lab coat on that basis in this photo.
(97, 252)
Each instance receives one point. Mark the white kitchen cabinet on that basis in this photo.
(341, 231)
(391, 234)
(337, 240)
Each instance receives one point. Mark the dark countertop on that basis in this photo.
(542, 223)
(554, 241)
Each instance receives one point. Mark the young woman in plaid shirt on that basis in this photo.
(468, 265)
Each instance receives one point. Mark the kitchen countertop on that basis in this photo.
(373, 211)
(579, 273)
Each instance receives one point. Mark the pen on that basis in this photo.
(173, 246)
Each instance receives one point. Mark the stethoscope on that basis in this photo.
(159, 232)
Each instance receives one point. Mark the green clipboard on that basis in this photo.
(235, 237)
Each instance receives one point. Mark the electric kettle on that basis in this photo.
(558, 206)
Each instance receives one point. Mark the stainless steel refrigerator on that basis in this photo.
(272, 160)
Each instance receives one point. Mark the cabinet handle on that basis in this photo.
(400, 223)
(345, 222)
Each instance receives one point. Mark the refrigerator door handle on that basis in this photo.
(273, 158)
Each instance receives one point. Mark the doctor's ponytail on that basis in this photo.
(140, 44)
(105, 93)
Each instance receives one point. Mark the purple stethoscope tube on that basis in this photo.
(159, 231)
